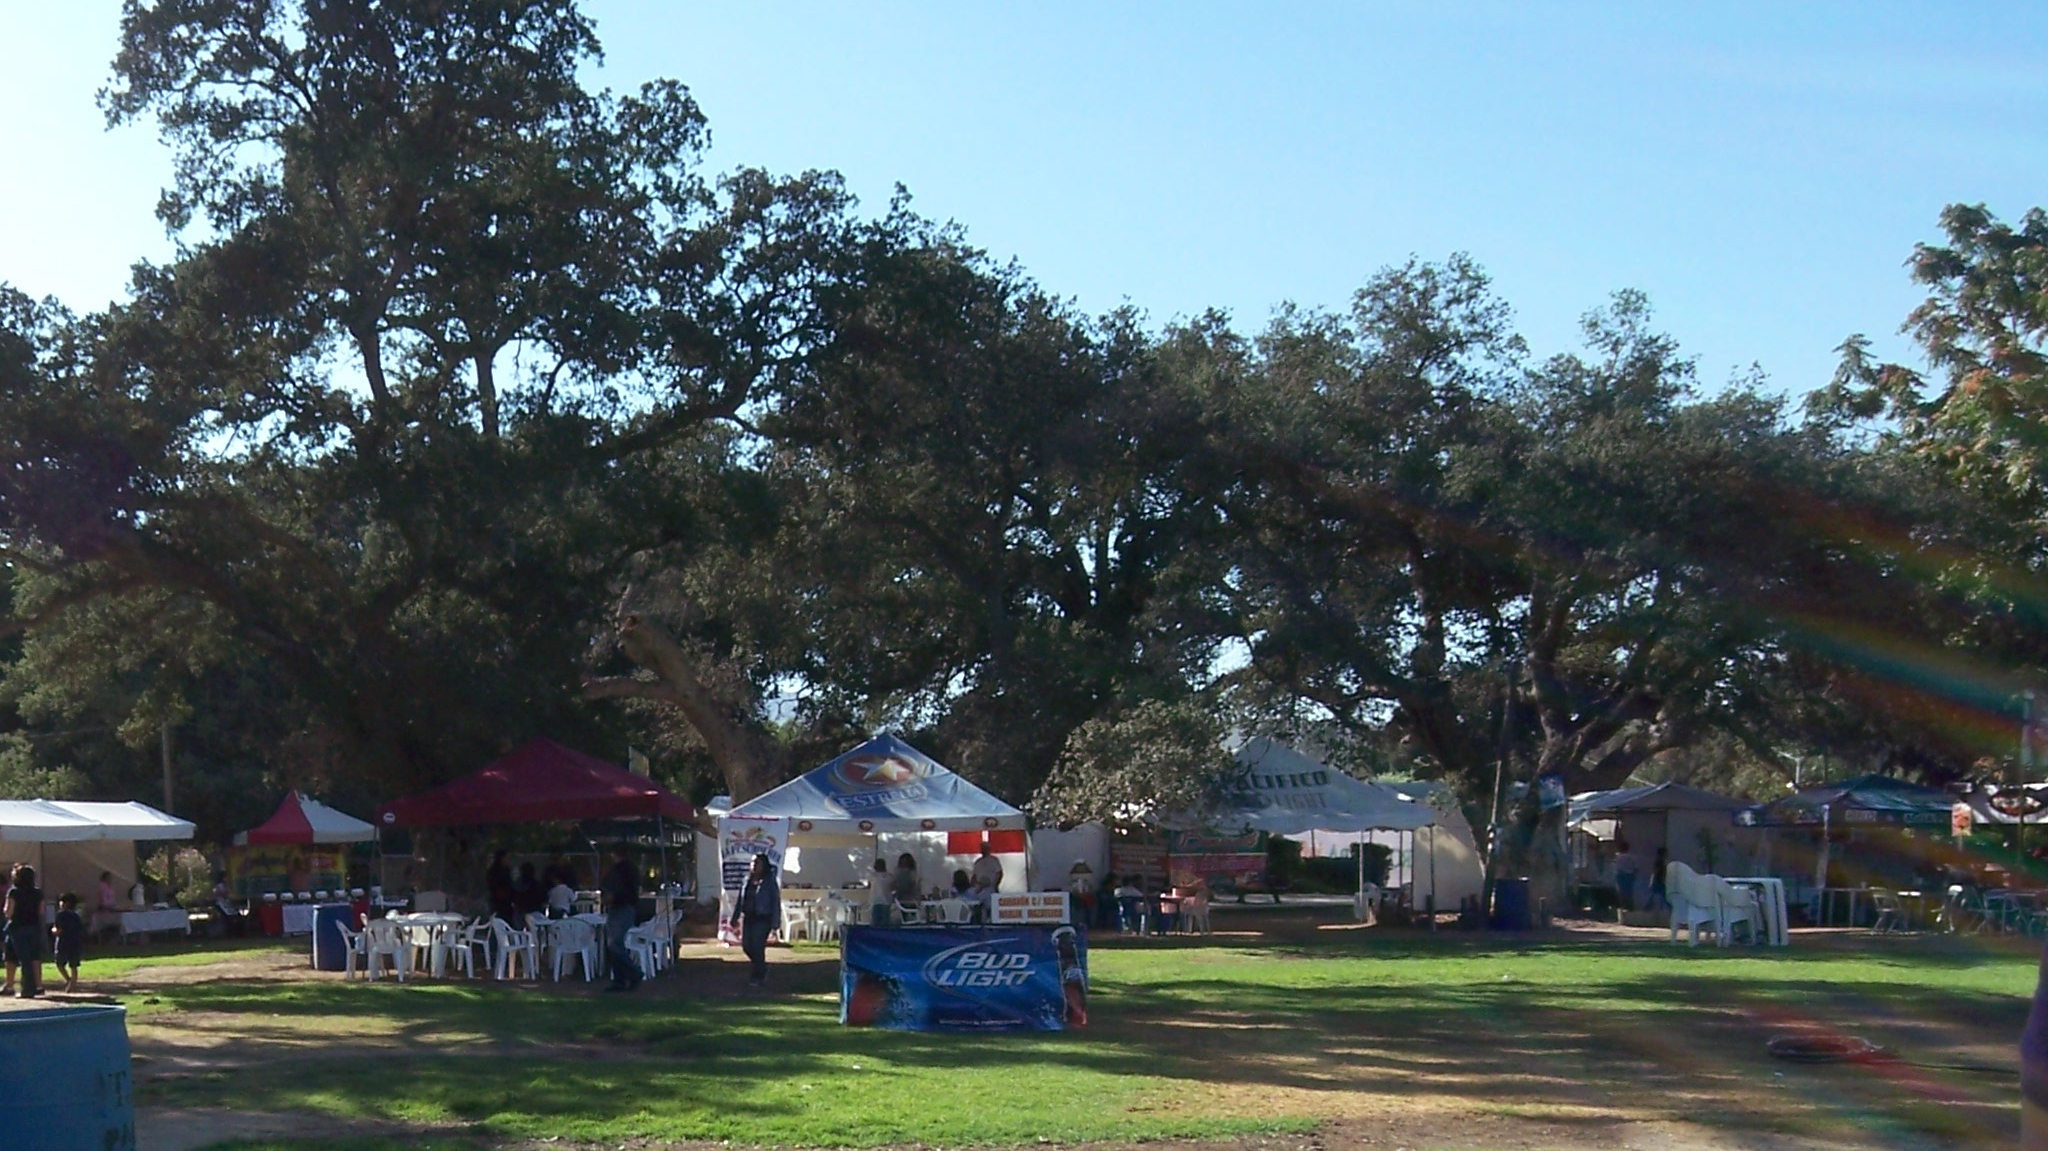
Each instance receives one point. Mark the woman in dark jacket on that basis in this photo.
(23, 911)
(760, 911)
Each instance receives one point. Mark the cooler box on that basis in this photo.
(330, 950)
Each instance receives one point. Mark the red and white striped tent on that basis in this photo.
(300, 819)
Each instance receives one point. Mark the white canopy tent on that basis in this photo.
(882, 799)
(70, 843)
(1283, 792)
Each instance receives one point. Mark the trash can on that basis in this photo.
(330, 950)
(64, 1080)
(1510, 905)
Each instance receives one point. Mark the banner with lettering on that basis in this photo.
(964, 978)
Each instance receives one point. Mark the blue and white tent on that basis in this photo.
(884, 785)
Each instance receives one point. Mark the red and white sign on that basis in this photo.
(1030, 907)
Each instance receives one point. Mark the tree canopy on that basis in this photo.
(473, 407)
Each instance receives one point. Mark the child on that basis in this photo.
(69, 929)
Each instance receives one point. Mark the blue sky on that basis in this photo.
(1762, 171)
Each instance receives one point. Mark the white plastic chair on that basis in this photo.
(460, 944)
(574, 939)
(1194, 914)
(796, 917)
(646, 950)
(509, 943)
(909, 914)
(353, 944)
(382, 940)
(1711, 902)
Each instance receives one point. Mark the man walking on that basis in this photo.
(622, 912)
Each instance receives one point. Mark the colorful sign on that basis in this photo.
(252, 871)
(964, 978)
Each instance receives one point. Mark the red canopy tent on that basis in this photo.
(301, 819)
(541, 781)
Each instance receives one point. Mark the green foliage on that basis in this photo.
(472, 403)
(1151, 757)
(22, 777)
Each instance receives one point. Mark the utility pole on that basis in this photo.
(165, 731)
(2024, 766)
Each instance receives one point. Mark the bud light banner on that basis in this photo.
(963, 978)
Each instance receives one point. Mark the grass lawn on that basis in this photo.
(1186, 1040)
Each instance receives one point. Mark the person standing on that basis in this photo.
(878, 893)
(1658, 899)
(988, 872)
(2034, 1068)
(68, 931)
(1625, 867)
(760, 912)
(905, 888)
(23, 912)
(621, 913)
(498, 887)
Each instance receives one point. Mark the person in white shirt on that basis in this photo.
(988, 872)
(561, 901)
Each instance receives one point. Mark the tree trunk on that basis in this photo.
(487, 391)
(745, 753)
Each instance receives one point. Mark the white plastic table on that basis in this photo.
(1770, 892)
(429, 929)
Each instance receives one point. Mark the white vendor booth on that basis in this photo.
(70, 843)
(881, 800)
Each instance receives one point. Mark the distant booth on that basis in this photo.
(544, 782)
(1012, 963)
(1831, 843)
(70, 844)
(1279, 791)
(301, 848)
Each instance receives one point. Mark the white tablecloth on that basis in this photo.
(168, 919)
(298, 918)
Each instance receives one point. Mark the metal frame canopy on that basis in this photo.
(1865, 800)
(884, 785)
(541, 782)
(303, 819)
(1656, 797)
(71, 821)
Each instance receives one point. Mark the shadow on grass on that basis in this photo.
(1585, 1027)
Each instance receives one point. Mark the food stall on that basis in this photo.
(298, 849)
(1023, 968)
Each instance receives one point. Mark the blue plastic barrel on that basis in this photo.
(64, 1081)
(1511, 905)
(330, 950)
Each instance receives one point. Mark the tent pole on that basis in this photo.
(661, 838)
(1358, 849)
(1432, 877)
